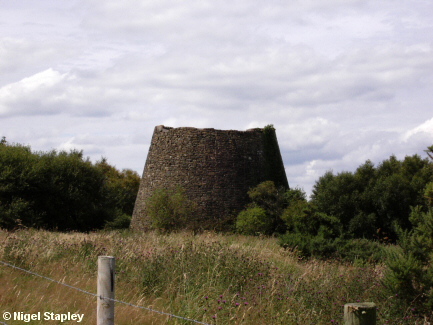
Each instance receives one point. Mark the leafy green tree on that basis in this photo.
(373, 197)
(16, 182)
(303, 217)
(267, 198)
(121, 189)
(60, 190)
(410, 272)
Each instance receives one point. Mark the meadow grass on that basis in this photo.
(210, 277)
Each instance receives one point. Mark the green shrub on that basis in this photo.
(170, 209)
(359, 249)
(302, 217)
(253, 221)
(410, 273)
(265, 209)
(272, 200)
(322, 247)
(121, 221)
(296, 241)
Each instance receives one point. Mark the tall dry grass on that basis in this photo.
(209, 277)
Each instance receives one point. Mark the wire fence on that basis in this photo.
(100, 297)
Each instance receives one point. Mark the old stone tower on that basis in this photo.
(216, 168)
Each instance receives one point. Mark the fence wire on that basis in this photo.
(101, 297)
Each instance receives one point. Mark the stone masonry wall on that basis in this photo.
(216, 168)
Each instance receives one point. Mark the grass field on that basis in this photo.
(209, 277)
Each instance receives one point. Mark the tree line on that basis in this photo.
(373, 202)
(63, 191)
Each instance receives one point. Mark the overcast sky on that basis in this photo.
(342, 81)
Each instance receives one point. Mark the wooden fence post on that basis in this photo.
(363, 313)
(105, 308)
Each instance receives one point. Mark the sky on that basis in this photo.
(342, 81)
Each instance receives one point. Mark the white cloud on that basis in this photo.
(425, 129)
(29, 95)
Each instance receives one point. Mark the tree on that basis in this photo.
(373, 198)
(61, 190)
(264, 211)
(410, 272)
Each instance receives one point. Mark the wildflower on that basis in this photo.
(236, 304)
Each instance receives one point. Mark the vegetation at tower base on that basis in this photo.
(169, 209)
(215, 169)
(351, 215)
(61, 190)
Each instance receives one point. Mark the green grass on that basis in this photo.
(210, 277)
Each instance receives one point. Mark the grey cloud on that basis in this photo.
(342, 81)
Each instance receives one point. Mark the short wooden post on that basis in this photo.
(363, 313)
(105, 307)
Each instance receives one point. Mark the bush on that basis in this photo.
(170, 209)
(264, 211)
(253, 221)
(360, 249)
(296, 241)
(321, 247)
(410, 272)
(121, 221)
(302, 217)
(272, 200)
